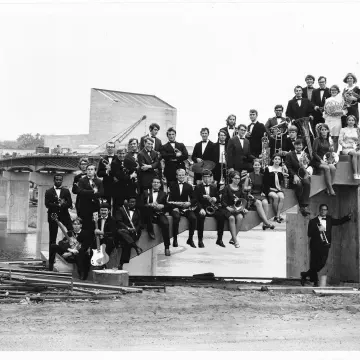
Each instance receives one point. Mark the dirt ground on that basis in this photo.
(186, 318)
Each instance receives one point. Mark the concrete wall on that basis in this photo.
(108, 118)
(343, 260)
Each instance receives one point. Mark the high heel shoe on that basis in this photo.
(237, 245)
(268, 226)
(279, 219)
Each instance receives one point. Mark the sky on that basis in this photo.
(208, 60)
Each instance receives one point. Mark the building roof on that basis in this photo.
(133, 99)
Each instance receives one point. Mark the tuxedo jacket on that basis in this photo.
(294, 111)
(228, 137)
(110, 233)
(122, 220)
(147, 198)
(288, 144)
(157, 143)
(199, 193)
(314, 233)
(51, 202)
(146, 176)
(107, 179)
(305, 94)
(208, 152)
(85, 238)
(88, 201)
(257, 133)
(316, 97)
(187, 193)
(216, 152)
(77, 177)
(172, 162)
(272, 122)
(236, 155)
(292, 163)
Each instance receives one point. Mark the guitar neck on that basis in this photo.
(63, 229)
(97, 236)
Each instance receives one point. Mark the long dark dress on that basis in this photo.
(320, 147)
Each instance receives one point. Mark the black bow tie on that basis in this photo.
(231, 127)
(206, 185)
(298, 152)
(154, 191)
(278, 117)
(310, 87)
(252, 124)
(322, 89)
(180, 183)
(242, 138)
(153, 137)
(58, 188)
(298, 98)
(204, 141)
(172, 142)
(222, 143)
(324, 218)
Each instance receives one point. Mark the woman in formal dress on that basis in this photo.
(273, 177)
(350, 140)
(254, 185)
(323, 145)
(351, 95)
(231, 193)
(333, 111)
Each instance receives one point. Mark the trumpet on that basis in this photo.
(323, 236)
(223, 180)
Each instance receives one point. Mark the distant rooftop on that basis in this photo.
(133, 99)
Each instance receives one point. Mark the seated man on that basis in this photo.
(207, 197)
(297, 162)
(154, 209)
(128, 222)
(182, 203)
(74, 249)
(105, 229)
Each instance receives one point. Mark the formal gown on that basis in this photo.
(348, 139)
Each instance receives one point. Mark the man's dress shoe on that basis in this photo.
(191, 243)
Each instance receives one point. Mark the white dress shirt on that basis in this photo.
(222, 154)
(131, 213)
(155, 195)
(180, 187)
(241, 141)
(207, 189)
(231, 131)
(173, 145)
(57, 192)
(322, 222)
(110, 159)
(251, 126)
(203, 146)
(321, 93)
(299, 101)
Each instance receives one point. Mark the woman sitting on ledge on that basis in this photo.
(321, 147)
(230, 199)
(273, 177)
(350, 141)
(254, 185)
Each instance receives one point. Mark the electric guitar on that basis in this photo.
(100, 257)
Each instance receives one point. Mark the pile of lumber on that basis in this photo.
(24, 285)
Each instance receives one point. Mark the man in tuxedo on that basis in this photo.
(230, 128)
(154, 209)
(153, 131)
(182, 192)
(131, 163)
(219, 156)
(106, 229)
(104, 169)
(276, 120)
(238, 155)
(148, 164)
(90, 191)
(203, 150)
(309, 88)
(318, 99)
(300, 185)
(83, 162)
(207, 195)
(255, 132)
(58, 202)
(288, 144)
(300, 107)
(128, 232)
(320, 244)
(174, 155)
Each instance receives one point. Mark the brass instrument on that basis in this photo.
(130, 221)
(323, 236)
(181, 205)
(350, 98)
(239, 205)
(210, 210)
(304, 125)
(304, 161)
(277, 132)
(223, 180)
(265, 151)
(285, 172)
(331, 157)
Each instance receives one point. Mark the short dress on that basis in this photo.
(321, 146)
(269, 179)
(257, 186)
(348, 139)
(228, 199)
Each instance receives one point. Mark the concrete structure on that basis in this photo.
(111, 113)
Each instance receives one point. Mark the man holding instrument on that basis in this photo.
(128, 221)
(319, 233)
(58, 201)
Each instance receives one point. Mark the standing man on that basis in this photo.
(301, 185)
(319, 233)
(128, 221)
(255, 132)
(219, 155)
(277, 120)
(104, 171)
(58, 201)
(309, 88)
(83, 162)
(207, 195)
(153, 131)
(318, 99)
(148, 164)
(203, 150)
(90, 191)
(230, 128)
(174, 154)
(238, 152)
(181, 193)
(154, 209)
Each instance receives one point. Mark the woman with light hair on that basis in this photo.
(351, 95)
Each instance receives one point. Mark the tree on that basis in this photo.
(30, 141)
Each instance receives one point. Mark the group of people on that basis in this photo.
(132, 189)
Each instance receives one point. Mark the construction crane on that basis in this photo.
(122, 135)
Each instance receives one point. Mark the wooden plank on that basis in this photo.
(335, 292)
